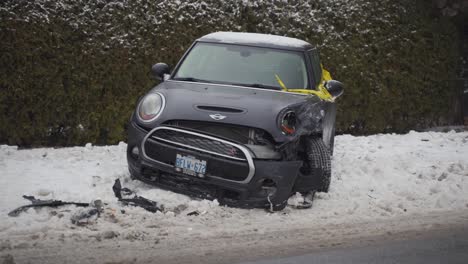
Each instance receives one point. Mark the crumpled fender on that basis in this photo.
(283, 173)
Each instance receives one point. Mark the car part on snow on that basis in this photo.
(194, 213)
(86, 216)
(136, 200)
(42, 203)
(303, 205)
(306, 203)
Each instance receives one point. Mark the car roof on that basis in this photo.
(256, 39)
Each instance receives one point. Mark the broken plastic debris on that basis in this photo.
(42, 203)
(305, 202)
(193, 213)
(89, 215)
(85, 217)
(136, 200)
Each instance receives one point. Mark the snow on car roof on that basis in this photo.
(256, 39)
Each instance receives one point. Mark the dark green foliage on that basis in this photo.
(71, 71)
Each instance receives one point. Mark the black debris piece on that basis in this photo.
(89, 215)
(41, 203)
(85, 217)
(136, 200)
(193, 213)
(303, 205)
(307, 203)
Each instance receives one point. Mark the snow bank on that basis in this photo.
(380, 176)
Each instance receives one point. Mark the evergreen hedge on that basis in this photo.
(71, 71)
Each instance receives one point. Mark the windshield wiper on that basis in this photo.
(263, 86)
(190, 79)
(254, 85)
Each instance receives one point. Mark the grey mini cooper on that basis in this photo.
(245, 118)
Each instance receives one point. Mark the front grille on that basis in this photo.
(236, 133)
(195, 142)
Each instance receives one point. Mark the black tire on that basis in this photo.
(329, 126)
(319, 162)
(331, 145)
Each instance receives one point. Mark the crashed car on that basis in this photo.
(244, 118)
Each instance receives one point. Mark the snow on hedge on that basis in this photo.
(124, 22)
(374, 177)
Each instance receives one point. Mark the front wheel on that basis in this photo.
(329, 127)
(315, 175)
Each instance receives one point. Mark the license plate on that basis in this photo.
(190, 165)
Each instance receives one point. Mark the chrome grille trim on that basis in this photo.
(244, 150)
(198, 149)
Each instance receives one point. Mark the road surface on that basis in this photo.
(441, 246)
(439, 237)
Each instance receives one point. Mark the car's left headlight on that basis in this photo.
(151, 106)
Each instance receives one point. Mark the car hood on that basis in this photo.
(250, 107)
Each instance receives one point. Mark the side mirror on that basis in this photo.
(159, 70)
(335, 88)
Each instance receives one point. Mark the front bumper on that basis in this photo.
(240, 180)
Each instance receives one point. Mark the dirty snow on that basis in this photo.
(374, 177)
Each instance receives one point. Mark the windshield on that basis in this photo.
(244, 65)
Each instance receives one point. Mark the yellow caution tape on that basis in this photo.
(281, 83)
(326, 76)
(321, 91)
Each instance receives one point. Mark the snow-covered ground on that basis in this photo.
(375, 178)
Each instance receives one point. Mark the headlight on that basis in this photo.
(287, 123)
(151, 107)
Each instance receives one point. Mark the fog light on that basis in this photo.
(135, 152)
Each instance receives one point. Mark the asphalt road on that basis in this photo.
(447, 246)
(439, 237)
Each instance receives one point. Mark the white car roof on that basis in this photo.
(256, 39)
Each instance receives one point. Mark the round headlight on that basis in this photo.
(151, 107)
(288, 123)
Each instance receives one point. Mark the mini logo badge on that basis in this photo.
(217, 116)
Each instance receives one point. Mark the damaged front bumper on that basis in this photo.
(233, 175)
